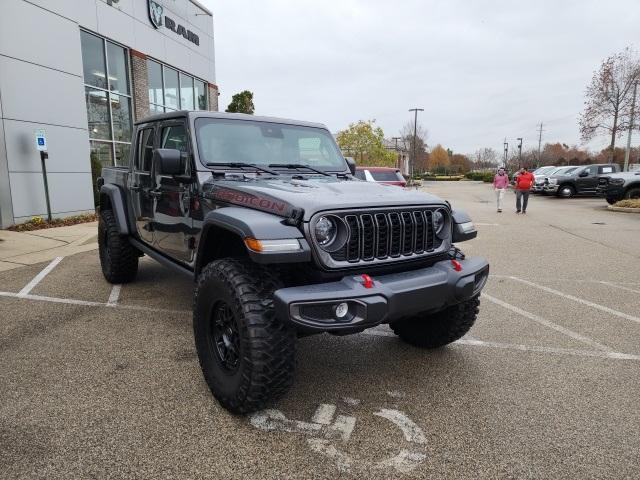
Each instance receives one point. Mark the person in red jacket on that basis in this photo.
(524, 182)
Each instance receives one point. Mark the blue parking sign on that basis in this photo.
(41, 140)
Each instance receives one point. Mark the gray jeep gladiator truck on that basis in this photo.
(281, 241)
(619, 186)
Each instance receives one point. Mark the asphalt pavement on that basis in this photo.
(98, 381)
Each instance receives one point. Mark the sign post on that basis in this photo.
(41, 146)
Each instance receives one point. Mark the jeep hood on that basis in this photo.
(283, 195)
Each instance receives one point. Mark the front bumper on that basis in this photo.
(551, 188)
(311, 308)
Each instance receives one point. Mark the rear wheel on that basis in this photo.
(633, 192)
(118, 258)
(566, 191)
(246, 354)
(440, 328)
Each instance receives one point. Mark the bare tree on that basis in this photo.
(485, 158)
(607, 106)
(406, 133)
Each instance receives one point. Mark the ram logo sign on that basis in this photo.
(155, 14)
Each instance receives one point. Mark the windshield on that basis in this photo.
(563, 170)
(542, 170)
(264, 143)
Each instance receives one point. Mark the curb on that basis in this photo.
(624, 209)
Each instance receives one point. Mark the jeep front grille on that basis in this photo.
(387, 235)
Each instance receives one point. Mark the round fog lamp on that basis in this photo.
(341, 310)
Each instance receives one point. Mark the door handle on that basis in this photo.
(155, 193)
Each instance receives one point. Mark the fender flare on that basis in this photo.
(115, 195)
(246, 222)
(463, 228)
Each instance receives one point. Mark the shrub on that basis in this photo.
(630, 203)
(38, 223)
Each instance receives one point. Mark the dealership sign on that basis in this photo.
(157, 19)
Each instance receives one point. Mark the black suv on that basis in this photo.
(579, 181)
(282, 241)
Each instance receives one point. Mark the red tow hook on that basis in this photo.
(367, 281)
(457, 266)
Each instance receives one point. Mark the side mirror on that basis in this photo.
(584, 174)
(168, 161)
(352, 165)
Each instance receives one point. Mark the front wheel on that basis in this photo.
(566, 191)
(438, 329)
(246, 354)
(632, 193)
(118, 258)
(611, 201)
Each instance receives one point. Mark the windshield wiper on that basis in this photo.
(297, 166)
(242, 165)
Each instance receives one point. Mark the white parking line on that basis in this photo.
(472, 342)
(547, 323)
(597, 306)
(73, 301)
(38, 278)
(114, 296)
(615, 285)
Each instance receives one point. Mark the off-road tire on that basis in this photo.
(266, 359)
(611, 201)
(118, 258)
(633, 192)
(438, 329)
(570, 191)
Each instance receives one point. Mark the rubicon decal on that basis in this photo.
(250, 200)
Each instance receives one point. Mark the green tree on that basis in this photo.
(242, 103)
(365, 142)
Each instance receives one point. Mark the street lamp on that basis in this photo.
(506, 152)
(519, 153)
(415, 135)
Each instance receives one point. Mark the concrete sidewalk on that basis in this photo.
(27, 248)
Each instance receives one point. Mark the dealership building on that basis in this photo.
(75, 75)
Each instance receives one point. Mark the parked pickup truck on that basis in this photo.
(619, 186)
(282, 241)
(579, 181)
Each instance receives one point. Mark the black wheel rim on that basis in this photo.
(225, 337)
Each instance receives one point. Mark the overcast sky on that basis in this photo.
(482, 70)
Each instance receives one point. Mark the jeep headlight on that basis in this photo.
(440, 223)
(325, 231)
(553, 181)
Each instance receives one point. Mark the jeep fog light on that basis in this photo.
(342, 309)
(267, 246)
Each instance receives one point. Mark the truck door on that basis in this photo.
(142, 183)
(587, 180)
(172, 211)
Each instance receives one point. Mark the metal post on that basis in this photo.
(633, 108)
(506, 153)
(415, 136)
(539, 145)
(519, 152)
(43, 157)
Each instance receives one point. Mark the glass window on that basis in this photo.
(186, 92)
(171, 99)
(97, 113)
(266, 143)
(154, 73)
(102, 152)
(384, 175)
(121, 115)
(93, 64)
(175, 136)
(123, 152)
(360, 174)
(201, 96)
(145, 150)
(118, 68)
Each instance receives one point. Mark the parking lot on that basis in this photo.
(100, 381)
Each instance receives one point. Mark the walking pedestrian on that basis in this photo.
(500, 185)
(524, 182)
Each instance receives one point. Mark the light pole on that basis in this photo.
(506, 152)
(633, 108)
(398, 165)
(415, 136)
(519, 153)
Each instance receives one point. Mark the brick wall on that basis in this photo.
(213, 97)
(140, 86)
